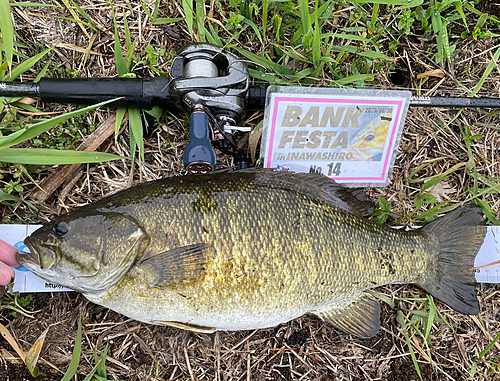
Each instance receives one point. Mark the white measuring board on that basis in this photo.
(489, 253)
(26, 281)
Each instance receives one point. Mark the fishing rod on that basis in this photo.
(210, 83)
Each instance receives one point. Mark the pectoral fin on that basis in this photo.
(177, 265)
(187, 327)
(361, 318)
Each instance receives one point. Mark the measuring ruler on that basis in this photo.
(26, 281)
(489, 253)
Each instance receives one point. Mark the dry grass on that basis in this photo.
(304, 349)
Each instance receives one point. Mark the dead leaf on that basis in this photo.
(441, 190)
(7, 356)
(33, 354)
(431, 73)
(7, 336)
(253, 141)
(27, 100)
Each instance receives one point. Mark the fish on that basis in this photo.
(369, 142)
(251, 249)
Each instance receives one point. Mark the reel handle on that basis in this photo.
(199, 156)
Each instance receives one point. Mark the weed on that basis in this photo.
(493, 364)
(382, 213)
(16, 304)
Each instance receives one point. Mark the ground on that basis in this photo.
(434, 142)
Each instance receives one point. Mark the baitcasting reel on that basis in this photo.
(211, 84)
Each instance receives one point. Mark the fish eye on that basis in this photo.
(61, 229)
(369, 138)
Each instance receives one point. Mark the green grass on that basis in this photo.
(331, 43)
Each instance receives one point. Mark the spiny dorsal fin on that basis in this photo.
(177, 265)
(361, 318)
(187, 327)
(354, 200)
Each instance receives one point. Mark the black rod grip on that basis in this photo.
(135, 92)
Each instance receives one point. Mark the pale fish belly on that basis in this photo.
(171, 307)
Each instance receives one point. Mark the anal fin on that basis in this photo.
(361, 318)
(187, 327)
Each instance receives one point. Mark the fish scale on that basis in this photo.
(250, 249)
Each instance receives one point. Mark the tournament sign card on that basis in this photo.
(350, 135)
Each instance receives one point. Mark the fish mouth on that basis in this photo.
(31, 259)
(39, 259)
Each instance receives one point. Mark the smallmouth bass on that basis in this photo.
(248, 249)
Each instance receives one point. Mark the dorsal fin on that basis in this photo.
(353, 200)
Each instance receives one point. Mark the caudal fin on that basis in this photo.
(460, 236)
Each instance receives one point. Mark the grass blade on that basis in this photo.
(187, 6)
(265, 4)
(155, 11)
(36, 129)
(90, 376)
(8, 197)
(272, 66)
(406, 3)
(200, 19)
(77, 351)
(25, 66)
(304, 17)
(121, 66)
(351, 37)
(42, 72)
(316, 49)
(120, 114)
(128, 39)
(164, 20)
(75, 15)
(10, 339)
(45, 156)
(491, 65)
(374, 17)
(91, 22)
(28, 4)
(255, 29)
(135, 120)
(7, 29)
(404, 327)
(437, 27)
(353, 78)
(458, 6)
(99, 368)
(430, 320)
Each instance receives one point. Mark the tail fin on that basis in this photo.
(460, 236)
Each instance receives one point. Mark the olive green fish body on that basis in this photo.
(250, 249)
